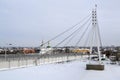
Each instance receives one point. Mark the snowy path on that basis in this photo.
(67, 71)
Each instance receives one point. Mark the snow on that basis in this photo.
(67, 71)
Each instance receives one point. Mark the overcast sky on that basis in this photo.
(28, 22)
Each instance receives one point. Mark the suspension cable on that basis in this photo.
(74, 36)
(73, 33)
(65, 31)
(83, 34)
(88, 36)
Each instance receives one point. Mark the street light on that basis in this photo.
(6, 52)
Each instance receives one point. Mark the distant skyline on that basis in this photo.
(28, 22)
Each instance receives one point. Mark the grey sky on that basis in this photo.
(28, 22)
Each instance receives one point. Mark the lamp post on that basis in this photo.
(5, 54)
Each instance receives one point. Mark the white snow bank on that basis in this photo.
(67, 71)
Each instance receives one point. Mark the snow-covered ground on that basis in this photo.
(67, 71)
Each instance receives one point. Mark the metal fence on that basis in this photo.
(12, 61)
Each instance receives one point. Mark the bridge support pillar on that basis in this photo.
(94, 67)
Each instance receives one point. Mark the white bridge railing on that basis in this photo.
(20, 62)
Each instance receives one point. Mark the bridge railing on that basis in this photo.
(25, 60)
